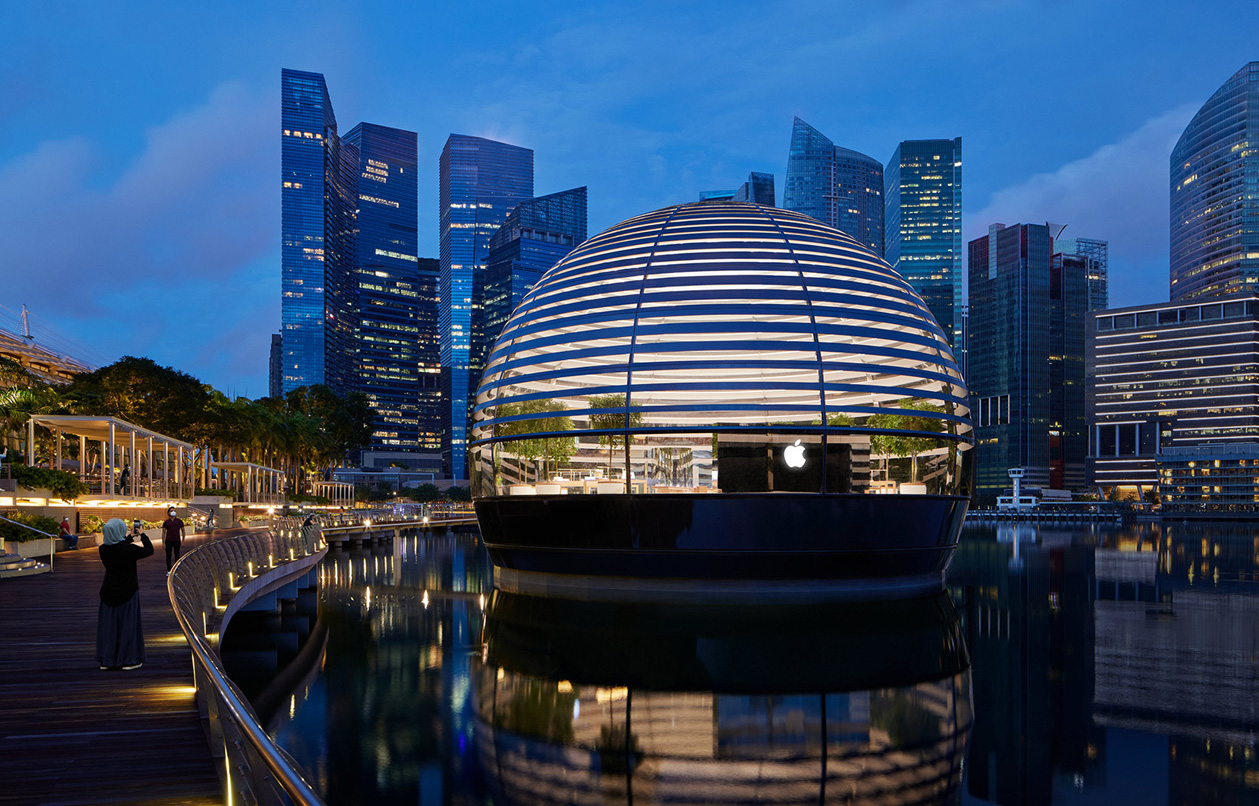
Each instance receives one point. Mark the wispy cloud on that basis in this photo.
(1119, 193)
(192, 204)
(152, 258)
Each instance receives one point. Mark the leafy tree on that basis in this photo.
(458, 494)
(910, 445)
(1151, 497)
(554, 450)
(140, 391)
(425, 493)
(619, 423)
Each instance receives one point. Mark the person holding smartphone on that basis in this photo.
(119, 634)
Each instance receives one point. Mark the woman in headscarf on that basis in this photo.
(119, 637)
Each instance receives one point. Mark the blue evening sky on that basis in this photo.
(139, 141)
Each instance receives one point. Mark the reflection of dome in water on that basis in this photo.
(729, 350)
(694, 705)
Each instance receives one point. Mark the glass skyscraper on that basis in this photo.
(1215, 194)
(759, 189)
(923, 226)
(835, 185)
(537, 234)
(387, 278)
(1026, 349)
(319, 294)
(480, 182)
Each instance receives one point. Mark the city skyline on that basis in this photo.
(123, 194)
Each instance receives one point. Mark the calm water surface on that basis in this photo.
(1064, 666)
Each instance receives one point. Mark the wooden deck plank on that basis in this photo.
(72, 734)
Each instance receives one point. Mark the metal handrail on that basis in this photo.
(26, 526)
(52, 548)
(219, 697)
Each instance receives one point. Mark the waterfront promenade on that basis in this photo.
(73, 734)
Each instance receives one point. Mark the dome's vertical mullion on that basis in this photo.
(817, 341)
(629, 362)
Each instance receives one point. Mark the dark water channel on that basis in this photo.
(1063, 666)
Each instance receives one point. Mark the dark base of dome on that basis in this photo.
(729, 545)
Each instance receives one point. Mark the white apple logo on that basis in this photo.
(794, 455)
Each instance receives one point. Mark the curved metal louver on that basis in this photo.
(716, 316)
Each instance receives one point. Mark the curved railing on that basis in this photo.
(207, 586)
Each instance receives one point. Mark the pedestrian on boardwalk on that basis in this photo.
(172, 537)
(72, 540)
(124, 479)
(119, 635)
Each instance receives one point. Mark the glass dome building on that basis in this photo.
(725, 392)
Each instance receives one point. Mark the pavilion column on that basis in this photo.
(148, 464)
(82, 457)
(107, 469)
(56, 435)
(131, 460)
(30, 442)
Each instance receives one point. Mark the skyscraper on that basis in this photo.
(535, 236)
(1215, 194)
(318, 306)
(275, 375)
(759, 189)
(359, 306)
(480, 182)
(428, 354)
(1027, 319)
(387, 275)
(923, 227)
(835, 185)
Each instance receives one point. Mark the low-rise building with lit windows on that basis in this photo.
(1169, 384)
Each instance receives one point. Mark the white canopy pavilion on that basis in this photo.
(253, 484)
(339, 493)
(157, 467)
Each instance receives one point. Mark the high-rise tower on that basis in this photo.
(386, 273)
(480, 182)
(318, 306)
(837, 186)
(923, 226)
(536, 235)
(1028, 313)
(1215, 194)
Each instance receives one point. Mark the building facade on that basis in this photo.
(922, 230)
(275, 364)
(480, 181)
(386, 273)
(535, 236)
(1026, 359)
(759, 189)
(1175, 375)
(837, 186)
(318, 308)
(1215, 194)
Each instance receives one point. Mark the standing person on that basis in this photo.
(119, 635)
(72, 540)
(172, 537)
(123, 478)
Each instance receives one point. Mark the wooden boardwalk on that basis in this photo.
(73, 734)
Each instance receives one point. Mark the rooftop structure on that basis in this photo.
(44, 364)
